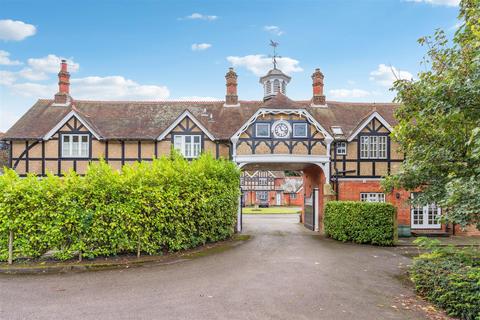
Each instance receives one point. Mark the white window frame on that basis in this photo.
(341, 148)
(262, 124)
(303, 124)
(68, 153)
(373, 147)
(189, 150)
(422, 221)
(293, 196)
(372, 197)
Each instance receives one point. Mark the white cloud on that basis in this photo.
(198, 98)
(348, 93)
(5, 59)
(32, 75)
(7, 77)
(199, 16)
(51, 64)
(15, 30)
(273, 30)
(30, 89)
(386, 75)
(200, 46)
(259, 64)
(115, 88)
(448, 3)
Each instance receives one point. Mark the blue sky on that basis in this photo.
(159, 50)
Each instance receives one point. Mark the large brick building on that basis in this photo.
(343, 148)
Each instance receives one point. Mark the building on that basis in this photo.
(271, 187)
(343, 148)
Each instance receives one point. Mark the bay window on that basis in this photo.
(190, 146)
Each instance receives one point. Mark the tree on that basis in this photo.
(439, 122)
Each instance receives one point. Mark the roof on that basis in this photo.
(146, 120)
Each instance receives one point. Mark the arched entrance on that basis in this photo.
(315, 176)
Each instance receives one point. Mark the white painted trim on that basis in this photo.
(319, 105)
(185, 114)
(317, 208)
(65, 120)
(374, 115)
(281, 158)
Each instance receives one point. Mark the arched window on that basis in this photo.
(284, 87)
(268, 88)
(276, 86)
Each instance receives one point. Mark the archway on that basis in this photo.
(316, 187)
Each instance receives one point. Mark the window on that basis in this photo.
(372, 197)
(268, 88)
(373, 147)
(299, 130)
(262, 195)
(189, 145)
(293, 196)
(75, 145)
(341, 148)
(262, 130)
(276, 86)
(284, 87)
(262, 181)
(425, 216)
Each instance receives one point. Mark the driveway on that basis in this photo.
(283, 272)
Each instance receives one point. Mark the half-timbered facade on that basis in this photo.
(342, 148)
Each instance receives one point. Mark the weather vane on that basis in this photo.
(274, 57)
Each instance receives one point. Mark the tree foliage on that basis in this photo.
(439, 122)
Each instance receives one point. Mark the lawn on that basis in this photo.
(272, 210)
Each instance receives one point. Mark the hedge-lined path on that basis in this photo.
(283, 272)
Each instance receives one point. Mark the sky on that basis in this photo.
(181, 50)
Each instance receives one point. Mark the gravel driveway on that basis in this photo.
(283, 272)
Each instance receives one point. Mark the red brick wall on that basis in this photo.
(313, 177)
(298, 201)
(350, 190)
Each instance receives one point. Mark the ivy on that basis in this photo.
(167, 204)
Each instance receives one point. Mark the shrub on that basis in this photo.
(449, 278)
(361, 222)
(168, 204)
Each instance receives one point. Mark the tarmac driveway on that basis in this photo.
(283, 272)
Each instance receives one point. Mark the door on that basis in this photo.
(425, 217)
(279, 199)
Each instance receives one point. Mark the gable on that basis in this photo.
(185, 123)
(72, 122)
(375, 123)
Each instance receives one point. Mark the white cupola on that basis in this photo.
(273, 82)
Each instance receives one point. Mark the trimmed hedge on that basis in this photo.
(361, 222)
(168, 204)
(450, 278)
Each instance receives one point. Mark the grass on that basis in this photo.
(272, 210)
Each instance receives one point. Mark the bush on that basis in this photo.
(168, 204)
(361, 222)
(449, 278)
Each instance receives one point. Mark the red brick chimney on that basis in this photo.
(318, 96)
(231, 98)
(63, 94)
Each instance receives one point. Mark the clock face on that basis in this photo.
(281, 129)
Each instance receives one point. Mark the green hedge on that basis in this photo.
(450, 278)
(165, 205)
(361, 222)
